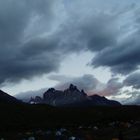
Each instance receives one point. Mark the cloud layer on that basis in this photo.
(34, 38)
(89, 83)
(133, 80)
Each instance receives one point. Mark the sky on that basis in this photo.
(93, 44)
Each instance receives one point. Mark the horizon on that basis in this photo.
(92, 44)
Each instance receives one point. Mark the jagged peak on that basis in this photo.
(72, 87)
(82, 91)
(51, 90)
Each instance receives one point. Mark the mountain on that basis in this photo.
(6, 98)
(60, 98)
(94, 100)
(71, 97)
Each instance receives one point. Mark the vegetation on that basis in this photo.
(18, 121)
(24, 116)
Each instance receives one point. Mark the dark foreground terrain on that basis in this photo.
(42, 122)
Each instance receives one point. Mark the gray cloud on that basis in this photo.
(87, 82)
(123, 58)
(115, 40)
(133, 80)
(99, 32)
(93, 32)
(112, 87)
(134, 99)
(113, 35)
(22, 53)
(26, 96)
(35, 36)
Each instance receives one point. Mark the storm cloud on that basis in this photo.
(134, 99)
(21, 47)
(113, 36)
(121, 59)
(133, 80)
(36, 36)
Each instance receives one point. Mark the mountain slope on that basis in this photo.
(6, 98)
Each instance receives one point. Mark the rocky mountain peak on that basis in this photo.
(51, 90)
(73, 88)
(71, 97)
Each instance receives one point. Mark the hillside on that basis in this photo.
(6, 98)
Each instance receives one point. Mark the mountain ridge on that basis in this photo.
(71, 97)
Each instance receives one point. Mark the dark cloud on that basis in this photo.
(21, 47)
(15, 17)
(115, 40)
(35, 37)
(133, 80)
(123, 58)
(134, 98)
(93, 32)
(99, 32)
(113, 35)
(28, 44)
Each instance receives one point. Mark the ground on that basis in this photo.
(43, 122)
